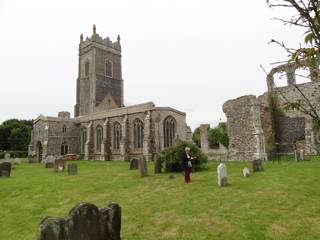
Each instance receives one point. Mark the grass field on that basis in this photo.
(282, 202)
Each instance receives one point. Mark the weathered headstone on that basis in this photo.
(257, 165)
(157, 164)
(222, 175)
(84, 222)
(301, 154)
(59, 165)
(143, 166)
(5, 169)
(246, 172)
(49, 159)
(134, 164)
(72, 169)
(7, 156)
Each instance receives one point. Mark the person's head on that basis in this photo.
(187, 149)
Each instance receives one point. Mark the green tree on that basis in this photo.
(218, 135)
(15, 134)
(196, 137)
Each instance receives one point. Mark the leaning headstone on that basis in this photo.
(246, 172)
(72, 169)
(59, 165)
(84, 222)
(5, 169)
(157, 164)
(134, 164)
(143, 166)
(222, 175)
(257, 165)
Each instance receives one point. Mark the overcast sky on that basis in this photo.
(189, 55)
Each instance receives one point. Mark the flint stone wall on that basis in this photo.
(84, 222)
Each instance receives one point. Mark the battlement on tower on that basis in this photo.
(102, 42)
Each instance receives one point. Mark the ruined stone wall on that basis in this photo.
(244, 128)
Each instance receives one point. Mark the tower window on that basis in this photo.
(83, 139)
(64, 129)
(64, 148)
(109, 68)
(169, 131)
(86, 69)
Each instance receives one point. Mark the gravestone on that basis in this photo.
(5, 169)
(257, 165)
(157, 164)
(72, 169)
(134, 164)
(222, 175)
(7, 156)
(143, 166)
(49, 159)
(246, 172)
(59, 165)
(84, 222)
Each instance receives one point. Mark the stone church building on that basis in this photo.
(102, 127)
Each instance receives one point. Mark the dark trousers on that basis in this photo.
(186, 175)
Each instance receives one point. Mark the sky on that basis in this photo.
(187, 54)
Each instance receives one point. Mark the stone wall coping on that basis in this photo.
(170, 109)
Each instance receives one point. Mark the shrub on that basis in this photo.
(172, 157)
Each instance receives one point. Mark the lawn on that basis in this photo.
(282, 202)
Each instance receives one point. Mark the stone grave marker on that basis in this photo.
(246, 172)
(59, 165)
(257, 165)
(5, 169)
(7, 156)
(49, 159)
(72, 169)
(222, 175)
(84, 222)
(134, 164)
(143, 166)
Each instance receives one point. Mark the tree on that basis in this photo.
(307, 16)
(218, 135)
(15, 134)
(196, 137)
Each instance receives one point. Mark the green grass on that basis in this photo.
(282, 202)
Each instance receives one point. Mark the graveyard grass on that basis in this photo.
(282, 202)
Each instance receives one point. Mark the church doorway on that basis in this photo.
(39, 151)
(64, 148)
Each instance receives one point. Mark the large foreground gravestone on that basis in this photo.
(84, 222)
(134, 164)
(72, 169)
(222, 175)
(143, 166)
(257, 165)
(5, 169)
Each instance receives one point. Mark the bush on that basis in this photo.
(172, 157)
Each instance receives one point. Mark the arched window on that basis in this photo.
(64, 148)
(169, 131)
(109, 68)
(99, 136)
(83, 139)
(138, 134)
(116, 136)
(86, 69)
(64, 129)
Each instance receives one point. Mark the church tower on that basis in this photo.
(99, 82)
